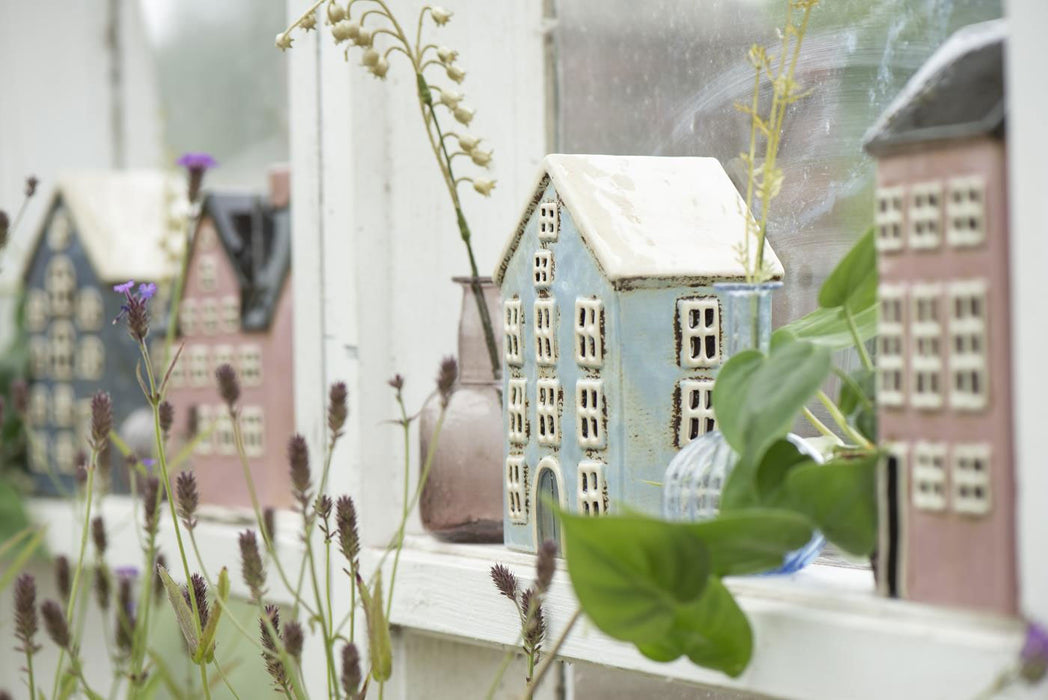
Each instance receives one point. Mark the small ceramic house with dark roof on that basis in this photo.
(236, 309)
(944, 348)
(612, 333)
(101, 229)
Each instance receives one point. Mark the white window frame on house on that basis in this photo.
(549, 220)
(695, 408)
(698, 325)
(969, 385)
(207, 236)
(224, 441)
(83, 423)
(207, 273)
(61, 345)
(926, 339)
(60, 283)
(187, 317)
(39, 357)
(204, 417)
(512, 327)
(517, 489)
(970, 479)
(91, 358)
(966, 211)
(60, 231)
(591, 495)
(39, 407)
(222, 355)
(547, 411)
(209, 316)
(591, 414)
(517, 411)
(230, 314)
(63, 405)
(542, 268)
(198, 365)
(925, 216)
(589, 332)
(249, 364)
(89, 309)
(65, 452)
(929, 476)
(888, 218)
(546, 332)
(891, 375)
(254, 434)
(36, 310)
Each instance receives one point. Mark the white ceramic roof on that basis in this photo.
(647, 217)
(122, 218)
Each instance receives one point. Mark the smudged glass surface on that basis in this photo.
(662, 77)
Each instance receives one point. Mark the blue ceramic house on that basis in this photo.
(100, 229)
(612, 333)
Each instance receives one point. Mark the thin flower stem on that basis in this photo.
(321, 490)
(331, 673)
(225, 679)
(854, 386)
(820, 426)
(551, 656)
(503, 665)
(29, 670)
(842, 422)
(751, 274)
(406, 426)
(859, 345)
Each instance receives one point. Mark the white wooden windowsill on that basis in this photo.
(821, 633)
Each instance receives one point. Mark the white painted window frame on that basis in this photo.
(513, 331)
(929, 490)
(591, 414)
(888, 218)
(891, 360)
(517, 480)
(517, 411)
(969, 329)
(549, 220)
(542, 268)
(694, 391)
(924, 222)
(698, 319)
(966, 211)
(546, 320)
(591, 495)
(970, 488)
(548, 402)
(926, 347)
(589, 332)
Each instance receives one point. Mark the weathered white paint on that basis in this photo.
(1026, 53)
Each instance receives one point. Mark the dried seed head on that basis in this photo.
(63, 581)
(397, 382)
(269, 647)
(137, 318)
(30, 185)
(338, 409)
(251, 564)
(98, 535)
(167, 417)
(351, 677)
(187, 497)
(505, 581)
(150, 491)
(298, 459)
(20, 395)
(55, 624)
(269, 524)
(101, 420)
(228, 386)
(25, 612)
(125, 613)
(348, 537)
(200, 593)
(544, 565)
(293, 640)
(535, 623)
(323, 506)
(446, 379)
(160, 562)
(102, 588)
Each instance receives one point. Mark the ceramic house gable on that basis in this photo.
(611, 329)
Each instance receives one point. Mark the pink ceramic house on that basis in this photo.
(944, 373)
(236, 309)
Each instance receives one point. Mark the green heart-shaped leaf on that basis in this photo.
(841, 498)
(752, 540)
(829, 328)
(853, 283)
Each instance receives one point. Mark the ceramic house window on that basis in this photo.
(546, 332)
(89, 309)
(929, 476)
(60, 282)
(592, 494)
(203, 417)
(547, 412)
(207, 273)
(223, 439)
(60, 232)
(695, 410)
(549, 221)
(589, 332)
(178, 370)
(90, 358)
(968, 376)
(207, 236)
(699, 330)
(971, 479)
(198, 369)
(36, 310)
(254, 434)
(890, 391)
(513, 320)
(63, 405)
(38, 404)
(516, 409)
(925, 215)
(65, 452)
(965, 212)
(230, 314)
(543, 268)
(926, 349)
(517, 489)
(249, 361)
(83, 423)
(39, 357)
(209, 317)
(62, 349)
(187, 317)
(38, 450)
(888, 218)
(590, 414)
(223, 355)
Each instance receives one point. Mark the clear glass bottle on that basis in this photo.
(695, 476)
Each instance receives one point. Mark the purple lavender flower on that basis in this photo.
(136, 309)
(1034, 656)
(196, 164)
(130, 572)
(124, 288)
(146, 290)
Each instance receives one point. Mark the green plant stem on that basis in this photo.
(864, 356)
(842, 422)
(551, 656)
(29, 670)
(332, 442)
(332, 676)
(854, 386)
(225, 679)
(503, 665)
(751, 274)
(820, 426)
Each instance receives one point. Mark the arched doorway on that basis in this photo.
(549, 492)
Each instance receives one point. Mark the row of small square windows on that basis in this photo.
(693, 403)
(968, 491)
(197, 364)
(698, 322)
(63, 449)
(62, 356)
(964, 350)
(215, 428)
(207, 323)
(57, 406)
(591, 492)
(922, 217)
(84, 306)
